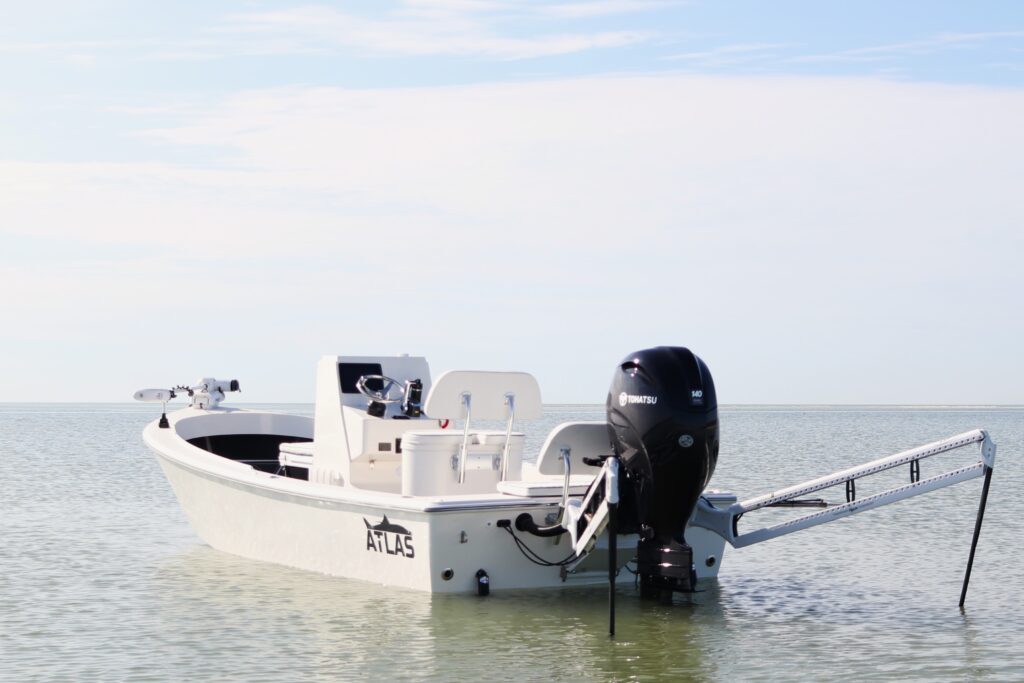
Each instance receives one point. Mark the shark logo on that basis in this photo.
(386, 537)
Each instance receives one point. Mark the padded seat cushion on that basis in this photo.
(300, 448)
(578, 484)
(296, 454)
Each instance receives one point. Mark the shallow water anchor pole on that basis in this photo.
(612, 498)
(613, 512)
(977, 532)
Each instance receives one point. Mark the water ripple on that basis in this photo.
(101, 578)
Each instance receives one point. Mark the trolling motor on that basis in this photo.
(663, 425)
(205, 394)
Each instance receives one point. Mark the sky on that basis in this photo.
(823, 200)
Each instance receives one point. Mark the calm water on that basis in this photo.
(102, 579)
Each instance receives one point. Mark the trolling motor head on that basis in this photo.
(663, 424)
(205, 394)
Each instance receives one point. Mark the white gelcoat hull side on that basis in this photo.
(323, 528)
(331, 536)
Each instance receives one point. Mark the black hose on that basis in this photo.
(524, 522)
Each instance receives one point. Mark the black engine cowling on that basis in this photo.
(663, 424)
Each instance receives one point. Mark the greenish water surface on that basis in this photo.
(101, 577)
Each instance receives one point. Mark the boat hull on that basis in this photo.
(430, 544)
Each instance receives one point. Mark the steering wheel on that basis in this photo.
(384, 394)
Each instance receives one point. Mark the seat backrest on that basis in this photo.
(589, 439)
(487, 392)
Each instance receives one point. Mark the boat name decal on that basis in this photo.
(390, 538)
(625, 398)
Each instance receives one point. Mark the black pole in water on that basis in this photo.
(977, 533)
(613, 510)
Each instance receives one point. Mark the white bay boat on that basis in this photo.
(387, 486)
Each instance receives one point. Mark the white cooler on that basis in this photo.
(427, 462)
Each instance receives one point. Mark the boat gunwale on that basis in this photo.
(247, 477)
(165, 442)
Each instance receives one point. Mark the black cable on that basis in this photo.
(533, 557)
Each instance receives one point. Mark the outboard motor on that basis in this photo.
(663, 425)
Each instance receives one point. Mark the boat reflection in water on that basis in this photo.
(270, 620)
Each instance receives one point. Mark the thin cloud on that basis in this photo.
(55, 46)
(529, 8)
(1008, 66)
(599, 8)
(513, 30)
(731, 54)
(758, 203)
(438, 32)
(941, 42)
(82, 60)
